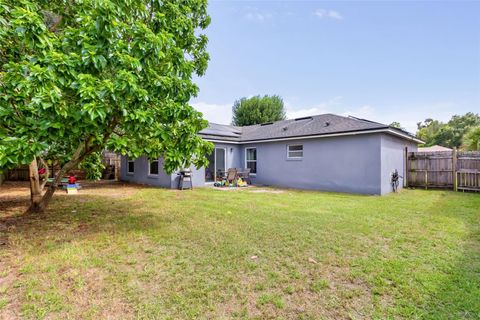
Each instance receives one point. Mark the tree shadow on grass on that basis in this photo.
(98, 208)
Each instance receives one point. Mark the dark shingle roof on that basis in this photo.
(300, 127)
(221, 131)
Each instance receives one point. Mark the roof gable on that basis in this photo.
(324, 124)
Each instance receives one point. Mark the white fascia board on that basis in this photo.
(352, 133)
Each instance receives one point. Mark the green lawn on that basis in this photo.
(129, 252)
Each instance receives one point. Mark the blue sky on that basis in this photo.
(382, 60)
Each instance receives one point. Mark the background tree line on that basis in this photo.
(461, 131)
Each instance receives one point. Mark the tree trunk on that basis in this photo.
(45, 200)
(80, 153)
(35, 190)
(47, 173)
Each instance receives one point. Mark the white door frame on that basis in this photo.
(215, 162)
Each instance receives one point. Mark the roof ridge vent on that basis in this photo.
(303, 118)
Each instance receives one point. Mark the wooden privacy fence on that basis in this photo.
(21, 173)
(110, 160)
(457, 170)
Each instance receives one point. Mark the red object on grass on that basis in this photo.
(71, 179)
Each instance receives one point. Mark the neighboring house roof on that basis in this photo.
(433, 149)
(313, 126)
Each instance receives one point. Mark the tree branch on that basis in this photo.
(47, 173)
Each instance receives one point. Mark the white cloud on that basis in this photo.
(328, 14)
(364, 112)
(292, 114)
(254, 14)
(323, 107)
(335, 15)
(218, 113)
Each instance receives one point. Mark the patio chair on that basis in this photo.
(245, 175)
(221, 174)
(231, 175)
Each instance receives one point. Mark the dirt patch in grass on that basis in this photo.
(92, 297)
(7, 296)
(15, 199)
(232, 188)
(273, 191)
(15, 195)
(252, 189)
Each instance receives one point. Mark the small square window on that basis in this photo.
(131, 166)
(295, 151)
(153, 167)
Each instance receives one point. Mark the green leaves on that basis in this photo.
(93, 166)
(114, 74)
(471, 140)
(449, 134)
(257, 110)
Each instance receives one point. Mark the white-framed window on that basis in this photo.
(295, 151)
(153, 167)
(251, 159)
(130, 166)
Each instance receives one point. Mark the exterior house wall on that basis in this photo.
(233, 152)
(233, 158)
(343, 164)
(393, 157)
(141, 173)
(198, 178)
(354, 164)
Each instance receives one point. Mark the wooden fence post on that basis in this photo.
(406, 174)
(454, 169)
(427, 167)
(426, 179)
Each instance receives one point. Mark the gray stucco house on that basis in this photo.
(325, 152)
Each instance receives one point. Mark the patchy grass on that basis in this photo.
(122, 252)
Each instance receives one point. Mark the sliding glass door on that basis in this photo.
(217, 164)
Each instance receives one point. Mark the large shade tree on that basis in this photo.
(450, 134)
(77, 77)
(258, 109)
